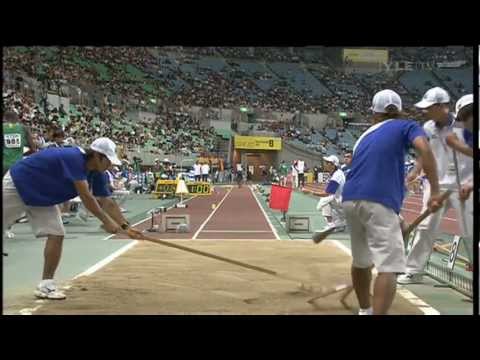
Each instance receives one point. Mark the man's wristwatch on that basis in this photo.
(125, 226)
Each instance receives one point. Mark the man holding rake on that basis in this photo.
(373, 196)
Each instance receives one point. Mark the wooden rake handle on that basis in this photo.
(423, 216)
(347, 287)
(221, 258)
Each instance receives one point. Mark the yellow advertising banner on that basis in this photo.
(374, 56)
(258, 143)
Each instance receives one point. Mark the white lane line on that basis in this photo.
(407, 295)
(210, 216)
(236, 231)
(418, 212)
(264, 214)
(229, 240)
(107, 260)
(29, 311)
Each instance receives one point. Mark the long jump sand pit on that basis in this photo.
(154, 279)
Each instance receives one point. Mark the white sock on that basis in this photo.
(46, 282)
(368, 311)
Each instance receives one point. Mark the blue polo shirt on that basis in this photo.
(99, 184)
(47, 177)
(377, 170)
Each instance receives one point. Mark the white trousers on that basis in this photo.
(332, 207)
(428, 230)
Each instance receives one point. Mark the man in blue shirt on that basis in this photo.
(39, 183)
(373, 196)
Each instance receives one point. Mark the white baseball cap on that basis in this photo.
(385, 98)
(332, 159)
(435, 95)
(106, 147)
(462, 102)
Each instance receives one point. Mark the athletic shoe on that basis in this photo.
(340, 229)
(368, 311)
(9, 234)
(48, 290)
(83, 216)
(23, 220)
(123, 210)
(322, 234)
(410, 279)
(65, 222)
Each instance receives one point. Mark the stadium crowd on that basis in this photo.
(120, 79)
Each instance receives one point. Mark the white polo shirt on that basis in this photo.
(465, 163)
(442, 152)
(197, 169)
(339, 177)
(300, 166)
(294, 171)
(205, 169)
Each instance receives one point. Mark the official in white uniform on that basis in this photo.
(294, 175)
(435, 104)
(331, 199)
(301, 173)
(205, 172)
(197, 171)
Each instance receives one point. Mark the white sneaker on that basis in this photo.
(9, 234)
(48, 290)
(410, 279)
(122, 210)
(368, 311)
(339, 229)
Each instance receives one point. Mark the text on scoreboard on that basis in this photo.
(258, 143)
(169, 187)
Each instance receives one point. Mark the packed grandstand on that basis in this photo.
(162, 101)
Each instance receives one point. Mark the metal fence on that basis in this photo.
(443, 274)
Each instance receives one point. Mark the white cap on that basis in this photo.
(332, 159)
(385, 98)
(106, 147)
(435, 95)
(462, 102)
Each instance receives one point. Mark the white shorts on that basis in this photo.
(376, 236)
(44, 220)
